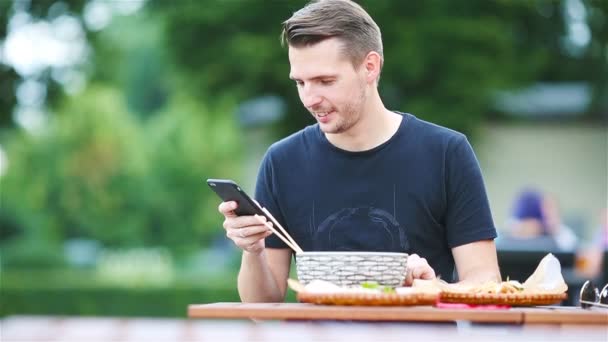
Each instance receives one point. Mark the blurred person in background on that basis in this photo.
(536, 216)
(591, 258)
(363, 178)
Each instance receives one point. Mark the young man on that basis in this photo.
(363, 178)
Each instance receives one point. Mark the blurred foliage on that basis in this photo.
(79, 293)
(8, 77)
(72, 292)
(100, 173)
(129, 55)
(150, 302)
(443, 60)
(8, 100)
(596, 60)
(123, 162)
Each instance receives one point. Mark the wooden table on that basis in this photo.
(303, 311)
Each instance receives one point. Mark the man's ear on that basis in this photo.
(372, 64)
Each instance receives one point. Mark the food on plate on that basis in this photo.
(366, 293)
(544, 287)
(322, 286)
(506, 287)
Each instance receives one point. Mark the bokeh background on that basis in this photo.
(113, 113)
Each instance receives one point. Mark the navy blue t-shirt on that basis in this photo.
(419, 192)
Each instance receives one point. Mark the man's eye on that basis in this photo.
(327, 82)
(299, 83)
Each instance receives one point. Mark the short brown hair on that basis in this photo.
(343, 19)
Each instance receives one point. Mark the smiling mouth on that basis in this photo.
(323, 114)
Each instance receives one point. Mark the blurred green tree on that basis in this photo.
(444, 60)
(8, 76)
(9, 79)
(129, 55)
(98, 172)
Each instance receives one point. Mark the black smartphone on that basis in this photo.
(228, 190)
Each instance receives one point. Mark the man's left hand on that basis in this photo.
(418, 268)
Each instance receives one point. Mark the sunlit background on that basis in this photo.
(113, 113)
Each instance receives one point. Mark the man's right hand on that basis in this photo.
(245, 231)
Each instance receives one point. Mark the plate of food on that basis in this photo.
(510, 293)
(366, 294)
(545, 286)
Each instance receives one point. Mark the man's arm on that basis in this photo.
(263, 275)
(476, 262)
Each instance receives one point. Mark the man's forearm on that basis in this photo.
(477, 262)
(256, 282)
(481, 276)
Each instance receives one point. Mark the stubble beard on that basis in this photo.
(350, 114)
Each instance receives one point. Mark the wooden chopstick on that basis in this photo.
(287, 242)
(299, 250)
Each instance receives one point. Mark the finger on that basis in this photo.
(413, 258)
(249, 231)
(239, 222)
(420, 269)
(227, 208)
(253, 238)
(412, 273)
(423, 273)
(413, 261)
(408, 279)
(246, 221)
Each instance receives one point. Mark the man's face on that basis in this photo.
(332, 90)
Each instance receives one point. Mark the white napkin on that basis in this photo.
(547, 277)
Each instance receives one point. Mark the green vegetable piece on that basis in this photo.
(388, 289)
(370, 285)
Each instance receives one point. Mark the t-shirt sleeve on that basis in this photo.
(468, 217)
(266, 195)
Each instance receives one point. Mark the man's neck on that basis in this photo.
(376, 126)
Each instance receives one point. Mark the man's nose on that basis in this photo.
(310, 98)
